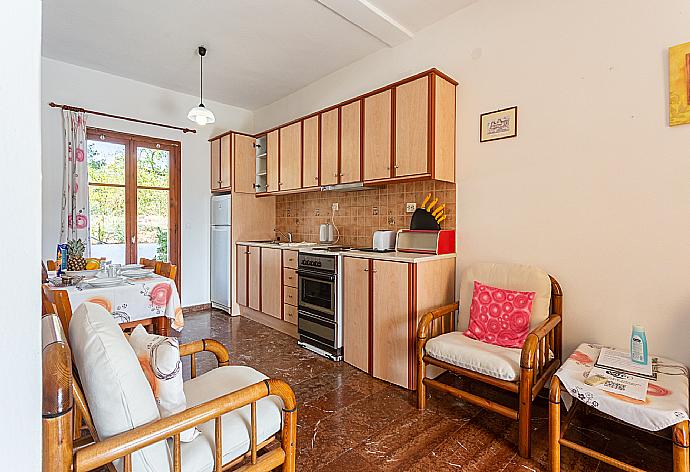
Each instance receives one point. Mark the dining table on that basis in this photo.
(133, 300)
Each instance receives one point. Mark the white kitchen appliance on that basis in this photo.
(383, 240)
(327, 233)
(221, 252)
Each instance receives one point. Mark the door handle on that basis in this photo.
(133, 239)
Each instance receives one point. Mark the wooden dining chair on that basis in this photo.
(166, 269)
(51, 265)
(57, 301)
(150, 263)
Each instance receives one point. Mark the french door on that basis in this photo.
(134, 197)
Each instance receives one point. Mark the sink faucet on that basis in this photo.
(287, 235)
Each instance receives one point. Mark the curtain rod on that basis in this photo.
(118, 117)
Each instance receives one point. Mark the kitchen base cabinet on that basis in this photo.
(254, 278)
(356, 312)
(271, 272)
(267, 286)
(382, 304)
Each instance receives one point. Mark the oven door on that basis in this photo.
(316, 330)
(317, 294)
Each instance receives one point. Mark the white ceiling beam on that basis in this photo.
(371, 19)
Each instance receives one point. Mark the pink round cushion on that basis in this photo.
(499, 316)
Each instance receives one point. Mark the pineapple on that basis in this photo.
(75, 255)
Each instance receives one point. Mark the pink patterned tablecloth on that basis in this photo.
(666, 403)
(133, 300)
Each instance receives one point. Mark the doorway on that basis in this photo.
(134, 197)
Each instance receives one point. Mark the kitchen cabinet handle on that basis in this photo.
(397, 167)
(366, 270)
(374, 271)
(388, 167)
(335, 175)
(342, 175)
(316, 178)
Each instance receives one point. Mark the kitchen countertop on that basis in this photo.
(410, 257)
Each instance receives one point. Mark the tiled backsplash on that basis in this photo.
(360, 213)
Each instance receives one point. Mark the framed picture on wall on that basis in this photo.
(499, 124)
(679, 84)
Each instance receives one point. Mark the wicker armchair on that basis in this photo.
(525, 371)
(67, 449)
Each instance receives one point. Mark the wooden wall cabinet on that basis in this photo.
(221, 163)
(290, 159)
(382, 304)
(244, 157)
(310, 152)
(330, 145)
(215, 165)
(272, 165)
(377, 136)
(350, 143)
(402, 131)
(271, 281)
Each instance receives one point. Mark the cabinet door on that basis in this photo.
(412, 127)
(242, 274)
(271, 285)
(245, 164)
(215, 164)
(350, 142)
(329, 147)
(272, 161)
(226, 161)
(390, 313)
(290, 157)
(254, 279)
(310, 152)
(377, 136)
(356, 312)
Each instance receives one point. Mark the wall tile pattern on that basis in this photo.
(360, 213)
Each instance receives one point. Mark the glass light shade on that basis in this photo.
(201, 115)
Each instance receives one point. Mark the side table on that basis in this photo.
(666, 405)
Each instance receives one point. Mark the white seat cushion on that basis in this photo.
(457, 349)
(116, 389)
(197, 456)
(523, 278)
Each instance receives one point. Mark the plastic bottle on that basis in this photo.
(638, 345)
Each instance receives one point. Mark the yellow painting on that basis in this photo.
(679, 84)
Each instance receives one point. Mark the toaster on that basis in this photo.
(383, 240)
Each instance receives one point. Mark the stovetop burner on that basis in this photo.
(331, 248)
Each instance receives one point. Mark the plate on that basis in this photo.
(136, 273)
(131, 266)
(105, 281)
(82, 273)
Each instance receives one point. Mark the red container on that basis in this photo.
(426, 241)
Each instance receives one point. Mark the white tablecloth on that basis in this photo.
(133, 300)
(666, 403)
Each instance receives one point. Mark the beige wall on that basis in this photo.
(596, 188)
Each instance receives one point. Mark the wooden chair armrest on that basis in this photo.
(425, 322)
(529, 348)
(103, 452)
(209, 345)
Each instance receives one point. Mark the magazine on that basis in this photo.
(615, 381)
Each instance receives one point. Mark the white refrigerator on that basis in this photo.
(221, 252)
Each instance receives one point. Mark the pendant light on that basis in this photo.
(201, 115)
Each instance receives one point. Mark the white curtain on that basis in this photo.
(75, 181)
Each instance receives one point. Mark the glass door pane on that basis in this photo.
(153, 224)
(153, 203)
(106, 167)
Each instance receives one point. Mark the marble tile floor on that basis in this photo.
(348, 421)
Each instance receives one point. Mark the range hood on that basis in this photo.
(351, 187)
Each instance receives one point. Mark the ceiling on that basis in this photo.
(258, 50)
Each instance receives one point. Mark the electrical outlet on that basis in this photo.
(334, 206)
(375, 211)
(410, 207)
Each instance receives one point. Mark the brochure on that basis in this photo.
(615, 381)
(616, 360)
